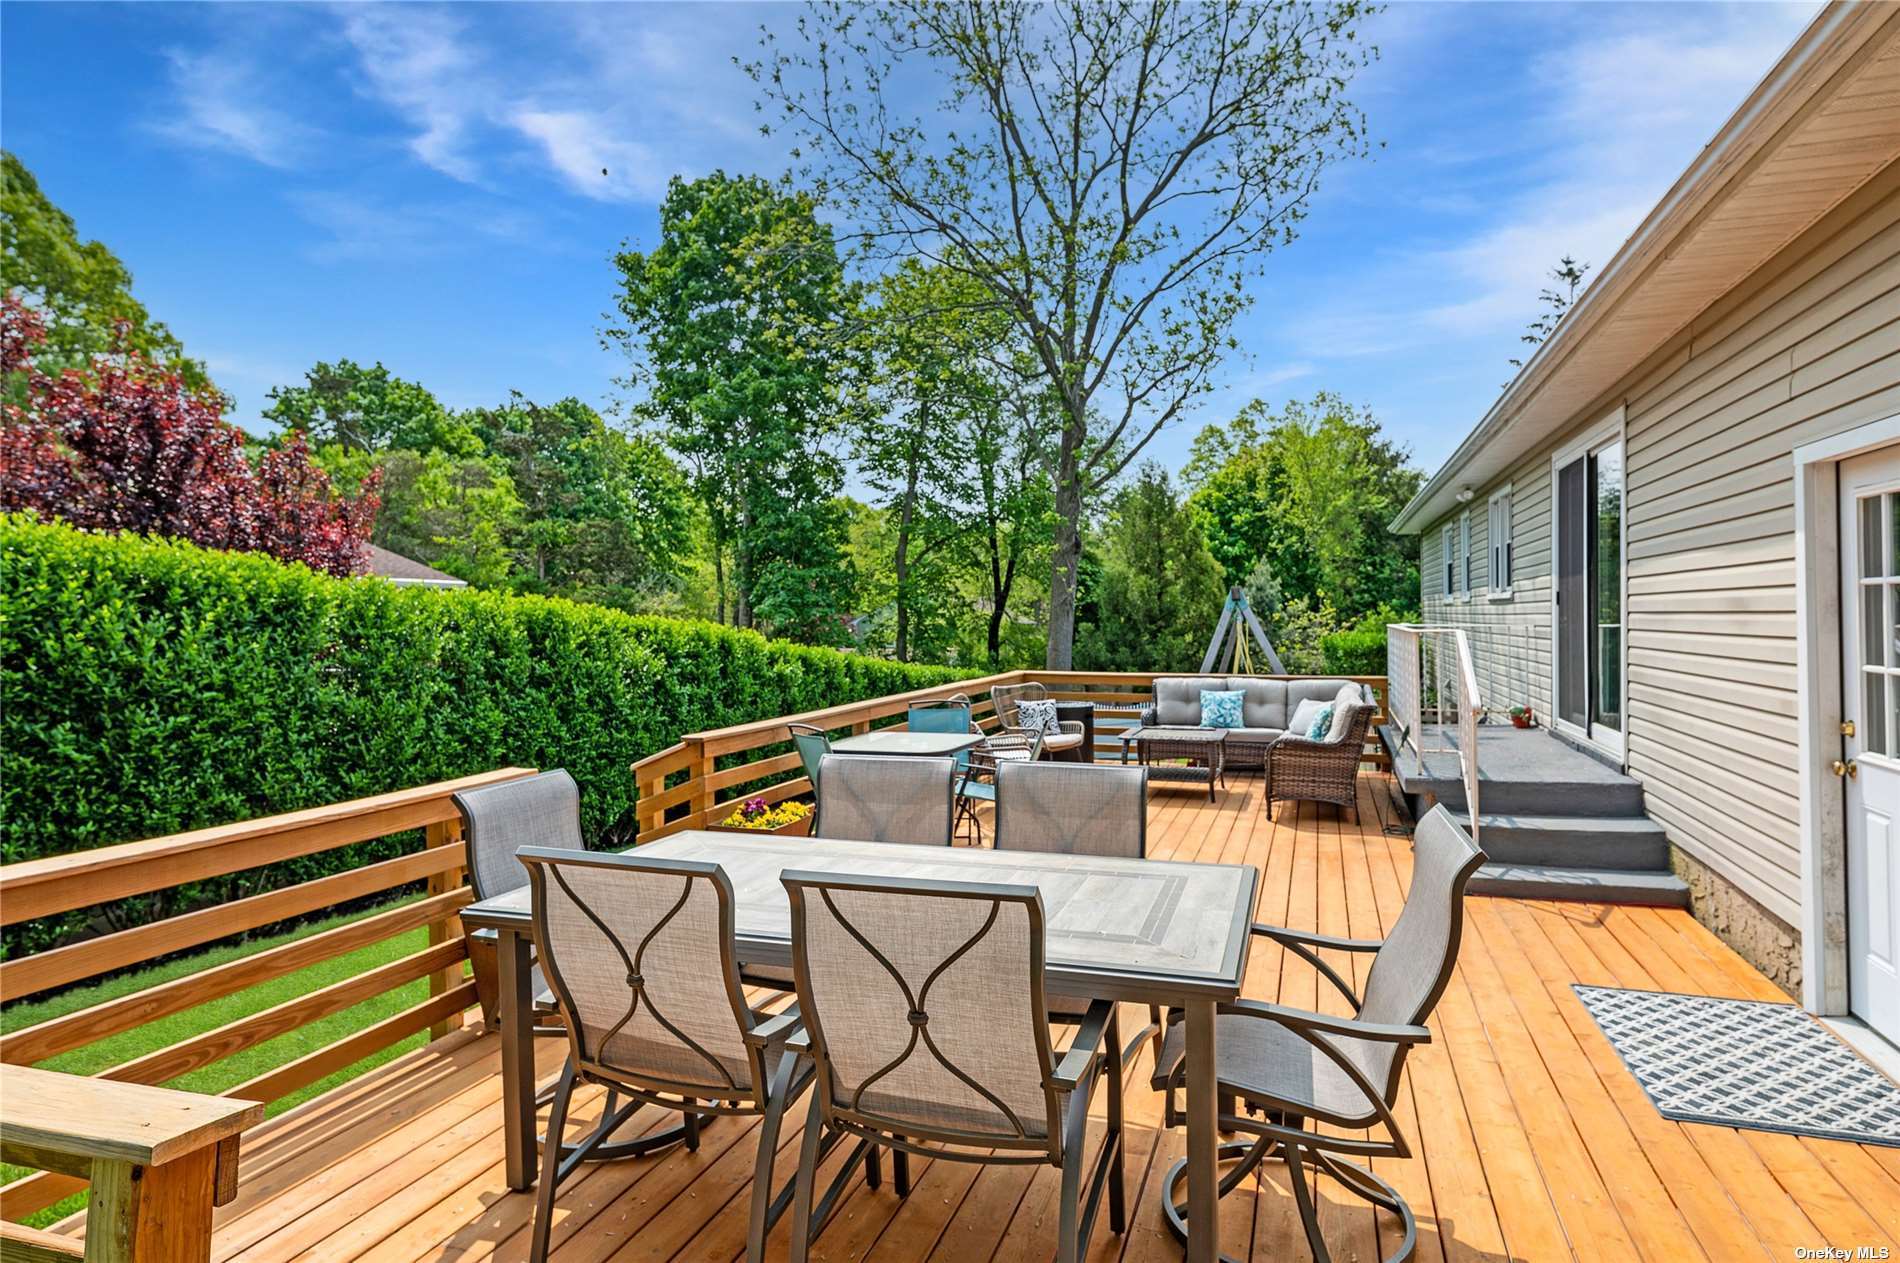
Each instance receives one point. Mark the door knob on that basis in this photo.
(1847, 769)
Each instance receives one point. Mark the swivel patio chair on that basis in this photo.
(1076, 809)
(925, 1016)
(1296, 1070)
(640, 954)
(1009, 698)
(886, 798)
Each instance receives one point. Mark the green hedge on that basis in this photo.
(149, 687)
(1357, 652)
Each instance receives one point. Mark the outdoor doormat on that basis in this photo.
(1746, 1063)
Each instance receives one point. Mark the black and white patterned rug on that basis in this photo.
(1746, 1063)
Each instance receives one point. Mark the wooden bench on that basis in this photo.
(158, 1160)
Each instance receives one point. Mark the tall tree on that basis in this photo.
(1310, 493)
(1557, 298)
(1160, 590)
(81, 290)
(1009, 448)
(933, 338)
(1113, 173)
(369, 409)
(735, 325)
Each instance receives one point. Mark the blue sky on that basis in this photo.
(422, 185)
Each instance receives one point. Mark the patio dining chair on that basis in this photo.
(925, 1017)
(1296, 1070)
(977, 784)
(812, 745)
(641, 957)
(886, 798)
(497, 820)
(1077, 809)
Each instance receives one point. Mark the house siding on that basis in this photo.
(1808, 347)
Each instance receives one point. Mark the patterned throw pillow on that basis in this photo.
(1322, 724)
(1221, 708)
(1036, 716)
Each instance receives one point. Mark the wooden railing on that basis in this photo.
(705, 775)
(85, 879)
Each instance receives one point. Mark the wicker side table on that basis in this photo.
(1201, 747)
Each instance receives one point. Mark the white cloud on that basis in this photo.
(594, 162)
(221, 106)
(415, 60)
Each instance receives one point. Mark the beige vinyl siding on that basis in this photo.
(1711, 426)
(1509, 637)
(1808, 347)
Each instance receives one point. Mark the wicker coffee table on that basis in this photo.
(1202, 748)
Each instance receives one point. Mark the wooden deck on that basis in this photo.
(1533, 1141)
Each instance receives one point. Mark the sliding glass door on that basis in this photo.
(1588, 527)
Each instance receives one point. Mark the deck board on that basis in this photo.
(1532, 1141)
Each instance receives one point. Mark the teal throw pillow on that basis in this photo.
(1221, 708)
(1322, 724)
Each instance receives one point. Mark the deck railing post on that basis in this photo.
(440, 834)
(702, 771)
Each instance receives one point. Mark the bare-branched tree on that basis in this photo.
(1115, 173)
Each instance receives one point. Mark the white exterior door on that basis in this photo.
(1870, 650)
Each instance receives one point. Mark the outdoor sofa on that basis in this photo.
(1296, 766)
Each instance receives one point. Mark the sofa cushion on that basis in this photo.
(1036, 716)
(1178, 699)
(1321, 729)
(1322, 690)
(1263, 704)
(1253, 736)
(1301, 720)
(1220, 708)
(1343, 712)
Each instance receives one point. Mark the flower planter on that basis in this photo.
(796, 829)
(1523, 721)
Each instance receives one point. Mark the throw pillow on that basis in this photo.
(1036, 716)
(1221, 708)
(1303, 716)
(1342, 720)
(1322, 723)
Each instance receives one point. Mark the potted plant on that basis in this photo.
(1523, 717)
(755, 815)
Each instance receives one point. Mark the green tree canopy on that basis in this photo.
(369, 409)
(81, 290)
(1159, 591)
(736, 327)
(1310, 493)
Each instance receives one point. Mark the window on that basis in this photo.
(1498, 531)
(1464, 552)
(1451, 560)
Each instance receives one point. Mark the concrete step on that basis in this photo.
(1611, 795)
(1606, 842)
(1585, 885)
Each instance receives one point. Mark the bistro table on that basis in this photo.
(904, 741)
(1145, 931)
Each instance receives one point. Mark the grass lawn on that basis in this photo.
(235, 1069)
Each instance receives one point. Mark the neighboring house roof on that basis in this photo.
(1815, 129)
(407, 572)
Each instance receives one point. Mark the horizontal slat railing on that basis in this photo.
(84, 879)
(702, 792)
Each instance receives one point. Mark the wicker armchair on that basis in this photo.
(1300, 768)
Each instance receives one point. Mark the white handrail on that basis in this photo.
(1442, 655)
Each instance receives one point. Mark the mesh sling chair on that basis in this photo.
(812, 745)
(886, 798)
(1076, 809)
(497, 820)
(1295, 1069)
(925, 1016)
(640, 954)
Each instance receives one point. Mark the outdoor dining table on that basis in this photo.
(1158, 932)
(904, 741)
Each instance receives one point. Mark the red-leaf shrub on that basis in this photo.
(128, 447)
